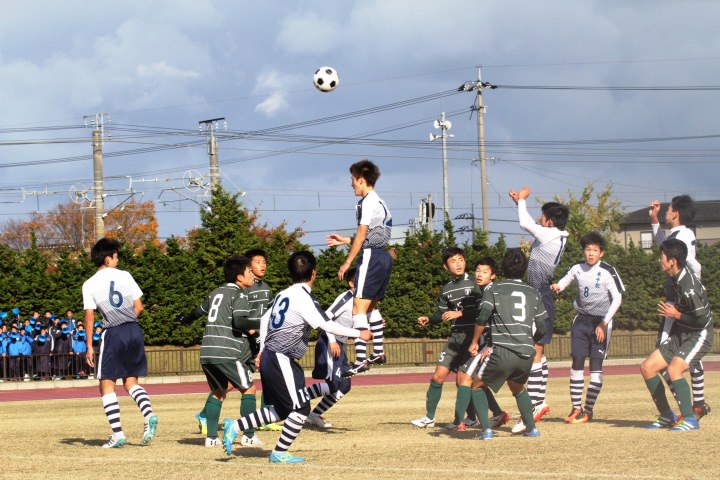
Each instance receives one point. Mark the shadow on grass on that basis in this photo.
(83, 441)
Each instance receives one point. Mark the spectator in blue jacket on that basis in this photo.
(3, 355)
(14, 349)
(79, 348)
(62, 350)
(26, 365)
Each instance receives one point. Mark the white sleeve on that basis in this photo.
(264, 320)
(567, 279)
(658, 233)
(88, 300)
(527, 223)
(337, 329)
(616, 297)
(369, 204)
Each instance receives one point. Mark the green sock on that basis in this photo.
(432, 398)
(248, 405)
(203, 412)
(524, 404)
(463, 404)
(480, 402)
(492, 403)
(684, 397)
(657, 391)
(213, 407)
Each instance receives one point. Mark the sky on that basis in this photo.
(157, 69)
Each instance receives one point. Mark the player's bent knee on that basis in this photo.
(304, 410)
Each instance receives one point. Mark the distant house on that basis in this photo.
(706, 225)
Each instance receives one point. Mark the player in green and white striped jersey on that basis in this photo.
(515, 314)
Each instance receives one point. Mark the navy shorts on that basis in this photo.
(283, 383)
(583, 342)
(373, 273)
(329, 368)
(122, 352)
(548, 298)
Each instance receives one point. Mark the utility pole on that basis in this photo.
(211, 126)
(444, 126)
(98, 122)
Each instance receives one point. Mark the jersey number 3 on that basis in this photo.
(519, 307)
(278, 316)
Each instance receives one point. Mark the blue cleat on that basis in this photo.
(229, 435)
(284, 457)
(150, 430)
(532, 433)
(686, 424)
(666, 420)
(486, 434)
(202, 423)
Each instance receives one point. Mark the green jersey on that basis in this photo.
(691, 302)
(228, 312)
(459, 294)
(515, 314)
(259, 294)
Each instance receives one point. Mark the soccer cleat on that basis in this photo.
(115, 441)
(270, 427)
(284, 457)
(358, 367)
(686, 424)
(229, 435)
(377, 359)
(663, 422)
(461, 427)
(424, 422)
(575, 412)
(486, 434)
(497, 421)
(212, 442)
(540, 411)
(150, 430)
(518, 428)
(253, 441)
(202, 423)
(532, 433)
(701, 410)
(469, 422)
(316, 420)
(583, 417)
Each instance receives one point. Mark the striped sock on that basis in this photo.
(360, 322)
(318, 389)
(577, 383)
(291, 429)
(327, 402)
(593, 391)
(534, 385)
(545, 374)
(142, 399)
(256, 419)
(697, 377)
(112, 412)
(376, 327)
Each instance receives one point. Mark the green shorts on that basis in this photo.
(690, 345)
(456, 351)
(502, 365)
(237, 373)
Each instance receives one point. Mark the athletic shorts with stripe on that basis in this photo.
(330, 368)
(455, 353)
(583, 342)
(219, 374)
(283, 383)
(548, 298)
(690, 345)
(473, 363)
(502, 365)
(373, 273)
(122, 352)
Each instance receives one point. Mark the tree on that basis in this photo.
(604, 216)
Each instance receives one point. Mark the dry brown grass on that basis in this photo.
(372, 439)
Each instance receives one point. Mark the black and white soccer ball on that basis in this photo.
(326, 79)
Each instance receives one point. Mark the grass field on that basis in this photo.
(371, 439)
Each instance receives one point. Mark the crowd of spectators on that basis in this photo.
(46, 347)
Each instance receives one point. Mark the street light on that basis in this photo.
(444, 126)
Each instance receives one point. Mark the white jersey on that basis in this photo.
(545, 251)
(112, 292)
(341, 312)
(599, 289)
(373, 212)
(687, 237)
(285, 328)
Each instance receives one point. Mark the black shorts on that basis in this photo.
(373, 273)
(283, 382)
(329, 368)
(548, 298)
(583, 342)
(122, 353)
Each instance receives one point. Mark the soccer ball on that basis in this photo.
(326, 79)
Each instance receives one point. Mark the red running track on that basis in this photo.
(201, 387)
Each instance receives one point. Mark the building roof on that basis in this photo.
(705, 211)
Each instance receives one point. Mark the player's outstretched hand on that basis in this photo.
(654, 211)
(365, 335)
(555, 288)
(422, 321)
(524, 193)
(335, 240)
(514, 195)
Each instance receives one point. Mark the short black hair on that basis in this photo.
(451, 252)
(234, 266)
(514, 264)
(256, 252)
(367, 170)
(301, 266)
(103, 248)
(349, 274)
(558, 213)
(488, 261)
(593, 238)
(685, 206)
(675, 249)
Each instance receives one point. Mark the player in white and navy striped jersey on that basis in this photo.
(598, 298)
(284, 334)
